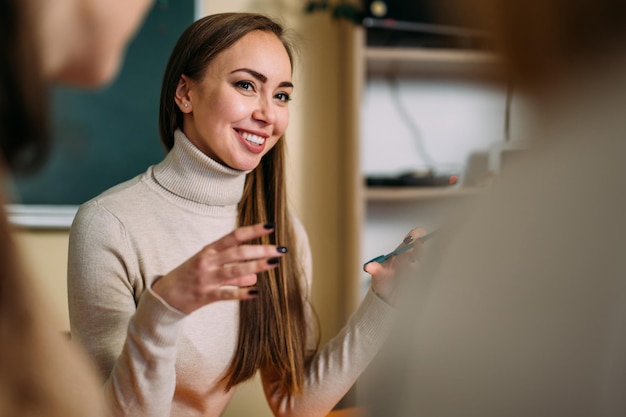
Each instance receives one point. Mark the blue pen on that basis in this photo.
(384, 258)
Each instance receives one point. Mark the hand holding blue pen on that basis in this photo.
(384, 258)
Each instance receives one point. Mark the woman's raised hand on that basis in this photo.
(385, 275)
(223, 270)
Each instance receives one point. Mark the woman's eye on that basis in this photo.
(245, 85)
(284, 97)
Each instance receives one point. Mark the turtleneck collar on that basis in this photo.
(192, 175)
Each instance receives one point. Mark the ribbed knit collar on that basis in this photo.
(192, 175)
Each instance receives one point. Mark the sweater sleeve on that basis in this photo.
(129, 332)
(338, 364)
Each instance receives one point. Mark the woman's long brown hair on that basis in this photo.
(272, 327)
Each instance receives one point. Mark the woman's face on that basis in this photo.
(238, 111)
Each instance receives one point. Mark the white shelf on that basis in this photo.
(411, 61)
(406, 194)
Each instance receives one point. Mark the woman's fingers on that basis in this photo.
(413, 237)
(193, 284)
(239, 273)
(241, 235)
(385, 275)
(241, 281)
(375, 268)
(242, 253)
(231, 293)
(221, 270)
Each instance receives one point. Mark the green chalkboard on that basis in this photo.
(103, 137)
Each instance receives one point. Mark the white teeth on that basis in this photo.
(257, 140)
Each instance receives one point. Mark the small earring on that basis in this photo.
(186, 105)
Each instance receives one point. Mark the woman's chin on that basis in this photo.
(244, 165)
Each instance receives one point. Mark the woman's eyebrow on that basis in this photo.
(262, 77)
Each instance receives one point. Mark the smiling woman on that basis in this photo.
(198, 266)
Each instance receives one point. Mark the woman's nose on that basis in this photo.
(264, 111)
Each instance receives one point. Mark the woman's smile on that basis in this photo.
(253, 142)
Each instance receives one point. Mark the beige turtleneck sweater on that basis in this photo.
(156, 360)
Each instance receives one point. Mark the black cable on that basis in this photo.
(408, 121)
(507, 110)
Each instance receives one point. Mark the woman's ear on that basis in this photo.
(182, 96)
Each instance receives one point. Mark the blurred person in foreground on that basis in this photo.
(520, 308)
(74, 42)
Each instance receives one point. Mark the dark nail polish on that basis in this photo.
(269, 226)
(273, 261)
(281, 249)
(408, 239)
(253, 292)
